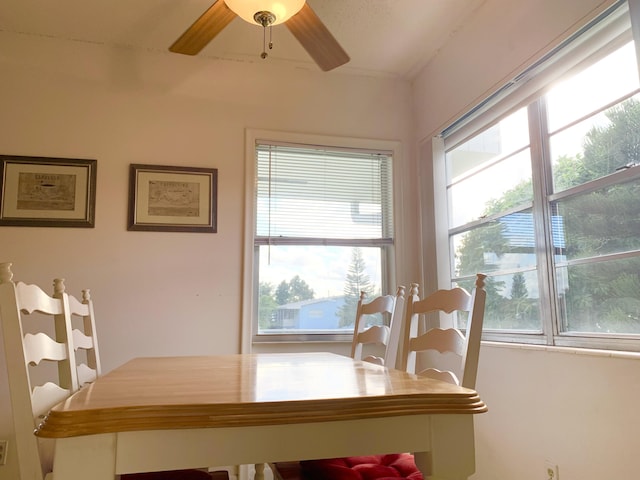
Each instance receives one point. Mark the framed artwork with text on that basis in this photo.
(47, 192)
(172, 199)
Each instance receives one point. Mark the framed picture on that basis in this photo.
(47, 192)
(173, 199)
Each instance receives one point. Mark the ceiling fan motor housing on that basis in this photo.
(264, 18)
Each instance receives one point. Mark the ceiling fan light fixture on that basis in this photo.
(282, 10)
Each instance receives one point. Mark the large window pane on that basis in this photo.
(504, 244)
(598, 146)
(600, 298)
(314, 289)
(601, 84)
(512, 302)
(490, 172)
(600, 223)
(470, 199)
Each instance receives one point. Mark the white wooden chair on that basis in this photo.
(35, 328)
(442, 344)
(385, 335)
(453, 356)
(38, 329)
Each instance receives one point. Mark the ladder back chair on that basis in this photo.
(38, 334)
(386, 335)
(39, 356)
(445, 342)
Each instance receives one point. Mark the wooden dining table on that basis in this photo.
(168, 413)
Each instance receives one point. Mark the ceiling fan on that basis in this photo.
(297, 15)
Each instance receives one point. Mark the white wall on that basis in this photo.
(162, 293)
(578, 410)
(68, 99)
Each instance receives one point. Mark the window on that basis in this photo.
(322, 232)
(546, 201)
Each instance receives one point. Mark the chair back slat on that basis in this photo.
(80, 340)
(31, 298)
(440, 339)
(41, 347)
(86, 374)
(442, 375)
(45, 396)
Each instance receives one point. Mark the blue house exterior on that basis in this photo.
(314, 314)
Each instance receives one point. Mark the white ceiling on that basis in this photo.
(393, 38)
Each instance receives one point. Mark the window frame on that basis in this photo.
(598, 39)
(250, 271)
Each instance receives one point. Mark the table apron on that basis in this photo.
(446, 443)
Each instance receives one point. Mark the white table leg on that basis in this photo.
(80, 458)
(452, 455)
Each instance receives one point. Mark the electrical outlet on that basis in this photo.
(3, 451)
(551, 471)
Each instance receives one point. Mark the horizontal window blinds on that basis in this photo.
(308, 194)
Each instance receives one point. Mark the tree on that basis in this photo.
(357, 281)
(518, 287)
(295, 290)
(299, 290)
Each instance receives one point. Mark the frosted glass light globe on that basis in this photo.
(283, 10)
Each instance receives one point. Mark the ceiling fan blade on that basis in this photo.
(204, 29)
(316, 39)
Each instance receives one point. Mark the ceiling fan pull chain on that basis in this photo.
(270, 37)
(264, 43)
(265, 19)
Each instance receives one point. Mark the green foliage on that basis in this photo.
(295, 290)
(266, 304)
(518, 287)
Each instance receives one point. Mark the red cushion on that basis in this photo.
(373, 467)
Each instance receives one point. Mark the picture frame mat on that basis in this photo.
(143, 182)
(11, 183)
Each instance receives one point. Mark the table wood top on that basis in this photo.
(249, 390)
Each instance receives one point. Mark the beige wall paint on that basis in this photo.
(576, 409)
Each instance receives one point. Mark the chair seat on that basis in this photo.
(373, 467)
